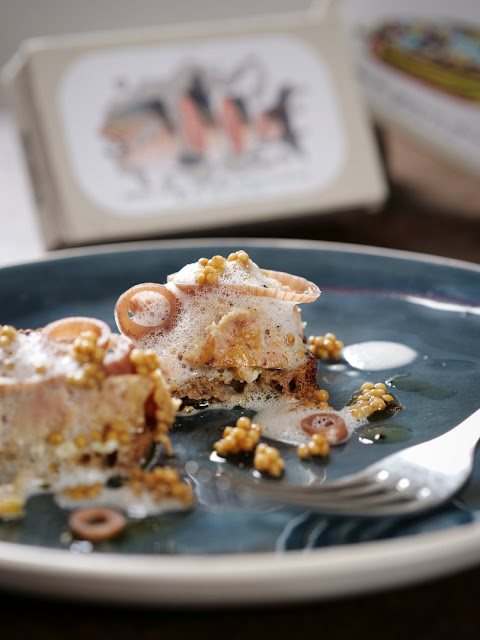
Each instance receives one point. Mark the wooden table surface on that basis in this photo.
(444, 220)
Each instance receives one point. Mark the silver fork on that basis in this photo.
(410, 481)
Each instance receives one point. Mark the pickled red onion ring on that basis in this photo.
(97, 523)
(328, 424)
(127, 325)
(117, 359)
(66, 330)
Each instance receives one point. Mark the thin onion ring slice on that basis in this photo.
(328, 424)
(65, 330)
(117, 359)
(127, 324)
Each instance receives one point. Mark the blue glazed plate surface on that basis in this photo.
(233, 550)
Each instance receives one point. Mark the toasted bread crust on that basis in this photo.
(299, 382)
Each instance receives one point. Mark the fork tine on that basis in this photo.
(344, 504)
(356, 491)
(364, 497)
(368, 475)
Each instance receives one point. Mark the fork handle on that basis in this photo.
(468, 431)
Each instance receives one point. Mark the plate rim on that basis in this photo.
(248, 577)
(287, 243)
(240, 579)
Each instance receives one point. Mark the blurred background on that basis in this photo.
(433, 204)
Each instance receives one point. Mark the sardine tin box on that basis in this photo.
(162, 131)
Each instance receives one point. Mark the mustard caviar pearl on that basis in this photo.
(325, 347)
(161, 483)
(268, 460)
(241, 438)
(317, 446)
(85, 350)
(55, 438)
(144, 361)
(7, 335)
(373, 397)
(80, 442)
(322, 395)
(241, 256)
(210, 270)
(83, 491)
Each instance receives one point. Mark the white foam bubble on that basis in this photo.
(134, 505)
(376, 355)
(32, 357)
(153, 309)
(281, 418)
(199, 312)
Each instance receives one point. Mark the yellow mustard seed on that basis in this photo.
(322, 395)
(5, 341)
(8, 330)
(363, 400)
(218, 262)
(376, 393)
(55, 438)
(366, 386)
(357, 412)
(244, 423)
(7, 335)
(80, 441)
(303, 451)
(161, 483)
(378, 404)
(211, 278)
(290, 339)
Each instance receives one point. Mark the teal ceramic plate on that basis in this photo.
(230, 550)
